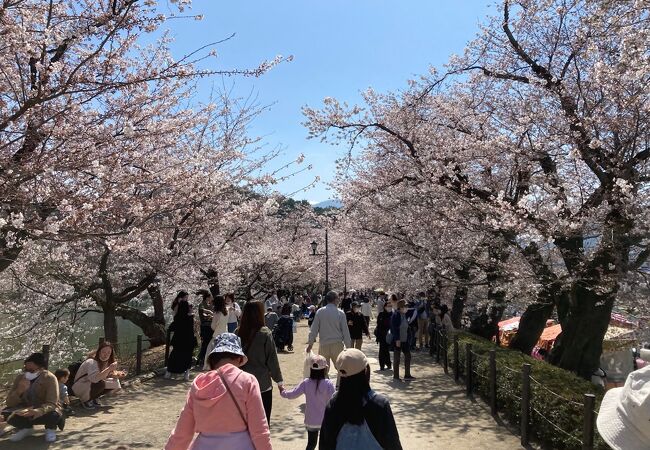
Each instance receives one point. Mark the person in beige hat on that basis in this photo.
(624, 416)
(356, 416)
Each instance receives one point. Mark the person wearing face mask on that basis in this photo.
(357, 325)
(401, 332)
(34, 400)
(224, 406)
(383, 325)
(97, 376)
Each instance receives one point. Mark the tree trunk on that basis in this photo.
(460, 296)
(154, 330)
(531, 326)
(496, 296)
(157, 301)
(580, 345)
(110, 322)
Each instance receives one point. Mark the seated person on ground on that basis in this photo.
(97, 376)
(62, 376)
(34, 400)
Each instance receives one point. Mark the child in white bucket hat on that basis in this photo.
(624, 416)
(318, 390)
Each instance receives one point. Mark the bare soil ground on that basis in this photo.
(431, 413)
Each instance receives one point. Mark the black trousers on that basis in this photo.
(267, 401)
(404, 348)
(312, 439)
(206, 335)
(97, 389)
(51, 420)
(384, 354)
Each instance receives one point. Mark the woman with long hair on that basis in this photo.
(97, 376)
(356, 416)
(223, 406)
(257, 342)
(445, 319)
(183, 342)
(219, 324)
(182, 296)
(205, 321)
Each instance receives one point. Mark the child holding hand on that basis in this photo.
(318, 390)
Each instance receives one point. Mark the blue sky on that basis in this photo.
(340, 48)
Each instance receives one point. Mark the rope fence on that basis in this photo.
(480, 375)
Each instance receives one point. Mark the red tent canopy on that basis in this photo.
(509, 321)
(551, 333)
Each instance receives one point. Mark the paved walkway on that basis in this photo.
(431, 413)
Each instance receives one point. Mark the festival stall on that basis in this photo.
(616, 361)
(509, 327)
(507, 330)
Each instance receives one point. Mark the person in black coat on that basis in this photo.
(205, 316)
(357, 325)
(383, 325)
(183, 342)
(283, 330)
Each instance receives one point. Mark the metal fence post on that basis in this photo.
(138, 355)
(46, 354)
(589, 401)
(493, 382)
(456, 360)
(525, 403)
(468, 369)
(445, 343)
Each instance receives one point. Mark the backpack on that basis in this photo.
(357, 437)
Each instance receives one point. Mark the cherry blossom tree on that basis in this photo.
(541, 129)
(82, 98)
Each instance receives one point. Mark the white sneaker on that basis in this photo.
(21, 434)
(167, 376)
(187, 375)
(50, 435)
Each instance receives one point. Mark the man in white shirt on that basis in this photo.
(366, 310)
(331, 326)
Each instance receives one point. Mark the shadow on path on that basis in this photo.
(431, 412)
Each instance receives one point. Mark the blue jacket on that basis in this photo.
(396, 321)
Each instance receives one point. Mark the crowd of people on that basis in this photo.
(254, 335)
(229, 404)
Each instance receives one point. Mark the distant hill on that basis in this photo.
(329, 204)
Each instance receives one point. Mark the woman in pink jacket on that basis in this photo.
(224, 405)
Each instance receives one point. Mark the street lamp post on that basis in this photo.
(314, 246)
